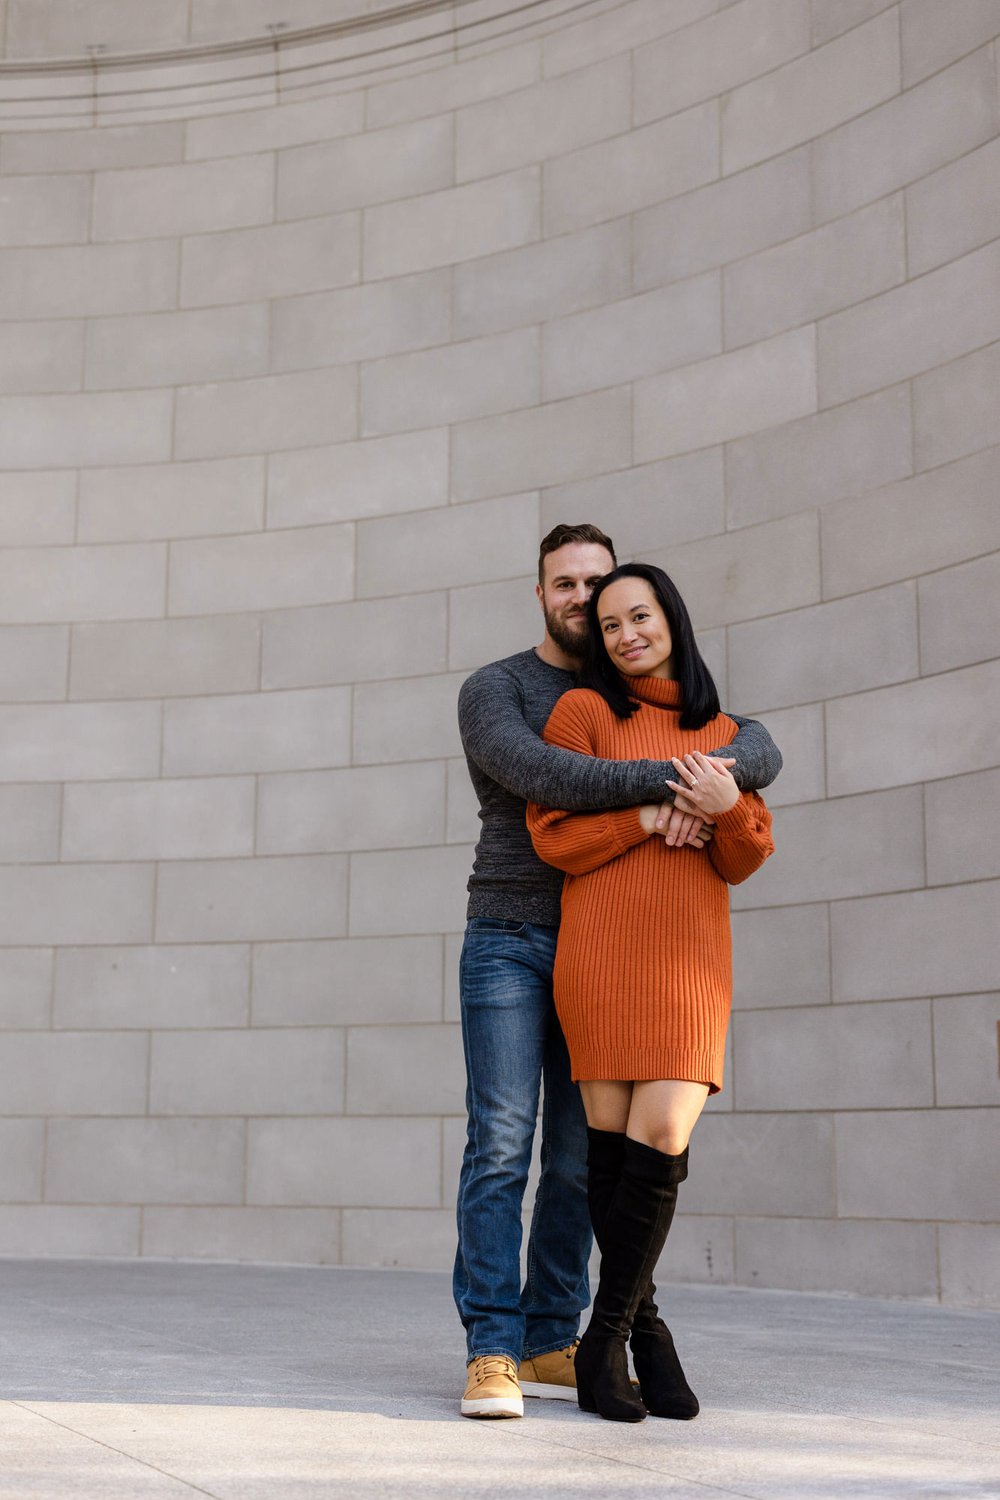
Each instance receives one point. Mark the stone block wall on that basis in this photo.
(316, 315)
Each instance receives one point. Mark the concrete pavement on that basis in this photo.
(163, 1381)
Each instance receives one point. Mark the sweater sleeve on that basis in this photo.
(496, 736)
(758, 759)
(579, 841)
(742, 839)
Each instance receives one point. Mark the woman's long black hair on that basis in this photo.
(699, 695)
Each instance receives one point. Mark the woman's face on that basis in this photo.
(634, 629)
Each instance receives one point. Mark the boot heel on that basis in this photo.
(585, 1397)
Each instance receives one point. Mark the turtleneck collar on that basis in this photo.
(659, 690)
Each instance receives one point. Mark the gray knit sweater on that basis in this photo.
(502, 710)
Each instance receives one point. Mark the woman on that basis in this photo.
(643, 968)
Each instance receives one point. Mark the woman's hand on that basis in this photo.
(697, 828)
(707, 782)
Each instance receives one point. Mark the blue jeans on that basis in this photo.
(512, 1043)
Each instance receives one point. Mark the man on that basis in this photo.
(511, 1036)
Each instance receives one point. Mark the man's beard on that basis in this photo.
(573, 642)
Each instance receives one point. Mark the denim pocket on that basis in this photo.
(495, 924)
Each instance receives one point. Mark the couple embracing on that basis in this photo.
(617, 803)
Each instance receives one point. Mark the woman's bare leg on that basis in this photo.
(663, 1113)
(607, 1103)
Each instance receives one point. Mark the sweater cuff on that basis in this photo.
(625, 827)
(739, 819)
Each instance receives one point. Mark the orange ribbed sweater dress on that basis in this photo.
(643, 971)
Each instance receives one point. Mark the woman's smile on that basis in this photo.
(635, 629)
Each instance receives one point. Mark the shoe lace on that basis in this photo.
(493, 1364)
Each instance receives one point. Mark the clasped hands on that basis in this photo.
(705, 787)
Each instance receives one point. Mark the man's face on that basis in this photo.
(570, 574)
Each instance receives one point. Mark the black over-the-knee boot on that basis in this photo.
(662, 1383)
(635, 1228)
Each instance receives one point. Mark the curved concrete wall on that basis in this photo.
(305, 343)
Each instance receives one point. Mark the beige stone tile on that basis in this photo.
(455, 544)
(271, 412)
(550, 118)
(276, 260)
(25, 988)
(799, 734)
(247, 900)
(954, 410)
(33, 663)
(820, 458)
(37, 509)
(423, 1238)
(465, 80)
(826, 651)
(416, 1070)
(165, 658)
(462, 823)
(965, 1048)
(866, 1258)
(780, 1164)
(59, 28)
(898, 1164)
(921, 130)
(632, 171)
(177, 348)
(637, 336)
(43, 904)
(77, 281)
(920, 715)
(552, 444)
(190, 198)
(487, 621)
(960, 615)
(742, 573)
(699, 1251)
(355, 1163)
(309, 1236)
(932, 521)
(942, 943)
(375, 166)
(364, 807)
(812, 94)
(835, 1057)
(33, 1229)
(82, 583)
(153, 501)
(347, 481)
(818, 273)
(145, 1161)
(851, 846)
(294, 123)
(79, 741)
(191, 819)
(21, 1159)
(144, 987)
(392, 637)
(81, 150)
(277, 1071)
(726, 397)
(257, 732)
(73, 1073)
(618, 29)
(438, 229)
(963, 828)
(409, 891)
(418, 713)
(970, 1254)
(361, 322)
(723, 221)
(29, 824)
(81, 429)
(42, 358)
(954, 209)
(833, 17)
(349, 982)
(650, 505)
(932, 37)
(781, 957)
(431, 388)
(542, 281)
(268, 570)
(709, 57)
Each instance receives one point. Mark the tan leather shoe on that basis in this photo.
(492, 1389)
(551, 1376)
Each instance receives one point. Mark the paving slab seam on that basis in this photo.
(109, 1448)
(627, 1463)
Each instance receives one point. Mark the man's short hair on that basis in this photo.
(559, 536)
